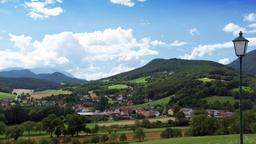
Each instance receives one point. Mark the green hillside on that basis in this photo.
(7, 84)
(4, 95)
(192, 83)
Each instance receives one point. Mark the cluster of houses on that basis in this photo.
(129, 111)
(211, 113)
(124, 112)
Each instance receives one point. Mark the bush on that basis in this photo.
(104, 138)
(139, 134)
(182, 122)
(123, 137)
(25, 141)
(95, 139)
(146, 123)
(169, 133)
(14, 132)
(67, 139)
(55, 140)
(75, 141)
(113, 137)
(44, 141)
(203, 125)
(254, 128)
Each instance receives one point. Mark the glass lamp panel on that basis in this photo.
(240, 47)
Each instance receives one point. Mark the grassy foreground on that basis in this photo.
(4, 95)
(224, 139)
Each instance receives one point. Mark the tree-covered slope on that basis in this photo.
(7, 84)
(189, 82)
(249, 63)
(173, 66)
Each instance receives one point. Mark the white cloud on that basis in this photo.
(43, 9)
(251, 17)
(194, 32)
(208, 49)
(224, 61)
(96, 74)
(156, 43)
(80, 52)
(20, 41)
(129, 3)
(234, 28)
(178, 43)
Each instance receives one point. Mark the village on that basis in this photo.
(86, 107)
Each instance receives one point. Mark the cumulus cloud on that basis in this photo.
(224, 61)
(43, 9)
(178, 43)
(208, 49)
(20, 41)
(128, 3)
(80, 52)
(194, 32)
(251, 17)
(156, 43)
(234, 28)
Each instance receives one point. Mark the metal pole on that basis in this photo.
(240, 102)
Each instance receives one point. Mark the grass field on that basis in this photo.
(221, 99)
(4, 95)
(141, 80)
(47, 93)
(226, 139)
(118, 86)
(162, 101)
(246, 89)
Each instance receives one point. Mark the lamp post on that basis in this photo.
(240, 44)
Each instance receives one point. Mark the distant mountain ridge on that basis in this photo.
(55, 77)
(172, 66)
(249, 63)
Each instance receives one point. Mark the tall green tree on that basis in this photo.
(51, 122)
(2, 127)
(28, 126)
(203, 125)
(75, 123)
(139, 134)
(14, 132)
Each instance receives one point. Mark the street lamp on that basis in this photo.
(240, 44)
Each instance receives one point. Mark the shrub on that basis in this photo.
(67, 139)
(55, 140)
(169, 133)
(75, 141)
(25, 141)
(95, 139)
(139, 134)
(113, 138)
(44, 141)
(123, 137)
(14, 132)
(104, 138)
(146, 123)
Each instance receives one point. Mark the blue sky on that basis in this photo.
(93, 39)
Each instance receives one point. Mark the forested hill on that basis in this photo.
(249, 63)
(174, 66)
(8, 84)
(188, 83)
